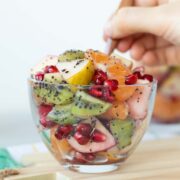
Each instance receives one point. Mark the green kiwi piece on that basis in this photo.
(85, 105)
(71, 55)
(122, 130)
(62, 115)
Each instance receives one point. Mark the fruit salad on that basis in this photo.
(90, 108)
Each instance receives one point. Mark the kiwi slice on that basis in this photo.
(122, 130)
(49, 94)
(53, 78)
(71, 55)
(62, 115)
(86, 105)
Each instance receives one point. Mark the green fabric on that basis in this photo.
(7, 161)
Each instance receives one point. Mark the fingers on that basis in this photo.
(146, 3)
(169, 55)
(134, 20)
(146, 43)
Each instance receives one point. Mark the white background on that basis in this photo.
(30, 29)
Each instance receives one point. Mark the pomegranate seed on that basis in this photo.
(90, 157)
(99, 80)
(46, 123)
(98, 136)
(59, 135)
(99, 77)
(44, 109)
(94, 91)
(51, 69)
(138, 74)
(112, 84)
(80, 157)
(63, 131)
(107, 95)
(39, 76)
(131, 79)
(66, 129)
(84, 128)
(148, 77)
(81, 139)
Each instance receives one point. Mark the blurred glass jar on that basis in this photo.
(167, 105)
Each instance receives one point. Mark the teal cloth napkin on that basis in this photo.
(7, 161)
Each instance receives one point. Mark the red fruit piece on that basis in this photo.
(148, 77)
(99, 77)
(95, 91)
(131, 79)
(138, 74)
(44, 110)
(98, 136)
(39, 76)
(107, 95)
(80, 157)
(58, 135)
(81, 139)
(90, 156)
(84, 128)
(46, 123)
(51, 69)
(112, 84)
(63, 131)
(66, 129)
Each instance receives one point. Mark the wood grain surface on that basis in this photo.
(152, 160)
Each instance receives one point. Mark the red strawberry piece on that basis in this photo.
(51, 69)
(98, 136)
(95, 91)
(44, 109)
(81, 139)
(112, 84)
(148, 77)
(131, 79)
(39, 76)
(84, 128)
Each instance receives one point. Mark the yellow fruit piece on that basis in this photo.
(84, 76)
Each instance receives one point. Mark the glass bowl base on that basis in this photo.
(92, 168)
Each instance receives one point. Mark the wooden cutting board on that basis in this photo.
(153, 160)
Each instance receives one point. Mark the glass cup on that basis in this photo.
(86, 133)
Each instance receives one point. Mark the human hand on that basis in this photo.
(150, 30)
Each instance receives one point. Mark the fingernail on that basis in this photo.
(108, 29)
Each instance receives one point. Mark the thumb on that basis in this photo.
(132, 20)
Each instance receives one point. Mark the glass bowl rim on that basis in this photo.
(91, 85)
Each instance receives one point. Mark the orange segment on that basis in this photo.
(96, 56)
(119, 110)
(124, 92)
(116, 69)
(99, 59)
